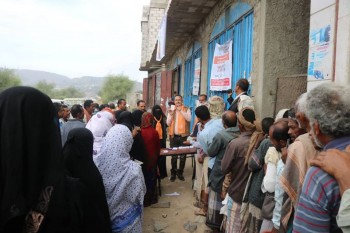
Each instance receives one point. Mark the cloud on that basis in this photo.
(72, 38)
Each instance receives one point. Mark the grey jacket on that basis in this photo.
(217, 149)
(68, 126)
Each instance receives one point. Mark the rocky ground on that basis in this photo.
(179, 217)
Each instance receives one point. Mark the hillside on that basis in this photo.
(87, 84)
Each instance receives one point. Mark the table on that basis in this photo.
(182, 151)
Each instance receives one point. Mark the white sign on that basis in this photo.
(221, 70)
(197, 76)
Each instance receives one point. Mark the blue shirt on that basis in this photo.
(320, 198)
(205, 138)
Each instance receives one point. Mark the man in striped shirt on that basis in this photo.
(328, 109)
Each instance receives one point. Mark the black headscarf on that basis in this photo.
(157, 112)
(137, 115)
(31, 161)
(78, 162)
(118, 112)
(125, 118)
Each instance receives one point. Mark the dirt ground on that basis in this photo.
(181, 211)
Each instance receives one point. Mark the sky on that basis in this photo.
(72, 37)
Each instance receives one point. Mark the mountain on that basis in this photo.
(87, 84)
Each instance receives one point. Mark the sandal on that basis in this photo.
(200, 212)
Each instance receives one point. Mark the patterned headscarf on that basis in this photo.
(216, 106)
(146, 120)
(122, 178)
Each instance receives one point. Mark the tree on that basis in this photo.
(8, 79)
(47, 88)
(69, 92)
(116, 87)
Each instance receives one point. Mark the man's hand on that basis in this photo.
(200, 159)
(337, 164)
(135, 131)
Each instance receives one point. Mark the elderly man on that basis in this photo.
(202, 99)
(337, 164)
(299, 154)
(178, 121)
(328, 110)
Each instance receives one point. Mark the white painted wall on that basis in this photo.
(329, 60)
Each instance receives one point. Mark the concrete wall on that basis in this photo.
(335, 65)
(342, 64)
(281, 29)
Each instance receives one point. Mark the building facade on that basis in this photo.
(270, 48)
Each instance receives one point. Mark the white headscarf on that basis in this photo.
(99, 125)
(123, 179)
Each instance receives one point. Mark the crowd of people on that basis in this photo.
(275, 174)
(77, 169)
(93, 168)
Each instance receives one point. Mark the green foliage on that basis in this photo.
(69, 92)
(116, 87)
(8, 79)
(49, 89)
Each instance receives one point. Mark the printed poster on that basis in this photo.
(197, 76)
(221, 71)
(320, 53)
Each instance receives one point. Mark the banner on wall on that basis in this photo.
(320, 53)
(221, 69)
(197, 75)
(161, 39)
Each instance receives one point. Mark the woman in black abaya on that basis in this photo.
(159, 123)
(35, 194)
(77, 154)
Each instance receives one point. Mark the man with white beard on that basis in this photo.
(328, 110)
